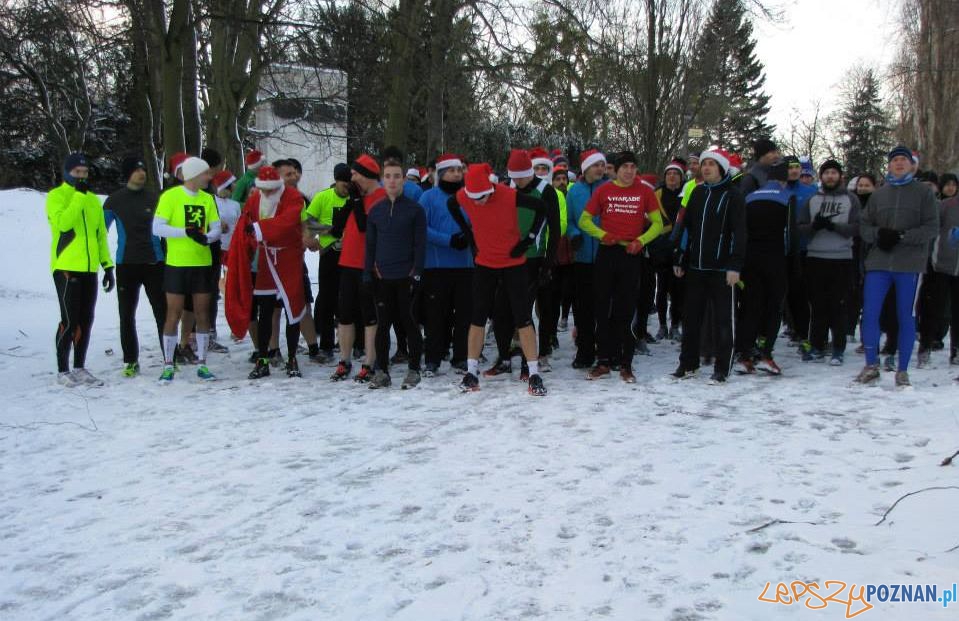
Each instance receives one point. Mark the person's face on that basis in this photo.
(807, 179)
(560, 181)
(289, 176)
(453, 174)
(710, 170)
(138, 178)
(540, 170)
(610, 171)
(830, 177)
(226, 192)
(393, 180)
(900, 165)
(199, 182)
(795, 170)
(626, 173)
(270, 193)
(770, 157)
(694, 167)
(80, 172)
(949, 189)
(864, 185)
(673, 179)
(522, 182)
(595, 172)
(365, 184)
(342, 188)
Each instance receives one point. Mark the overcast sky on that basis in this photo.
(819, 40)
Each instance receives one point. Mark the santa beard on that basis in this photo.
(268, 203)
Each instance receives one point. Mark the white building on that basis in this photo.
(301, 113)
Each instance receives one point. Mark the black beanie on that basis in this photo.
(341, 172)
(73, 160)
(624, 157)
(830, 164)
(130, 164)
(212, 157)
(779, 170)
(763, 146)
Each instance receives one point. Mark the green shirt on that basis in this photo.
(181, 210)
(78, 230)
(321, 208)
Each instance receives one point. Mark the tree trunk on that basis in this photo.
(189, 88)
(441, 23)
(405, 42)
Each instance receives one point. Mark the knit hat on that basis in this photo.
(519, 165)
(413, 172)
(792, 160)
(268, 178)
(560, 170)
(223, 179)
(693, 156)
(211, 157)
(366, 166)
(830, 164)
(900, 150)
(341, 172)
(779, 170)
(589, 157)
(73, 160)
(176, 161)
(929, 176)
(540, 157)
(478, 182)
(447, 160)
(560, 160)
(763, 146)
(624, 157)
(717, 155)
(254, 159)
(129, 165)
(677, 165)
(807, 168)
(193, 167)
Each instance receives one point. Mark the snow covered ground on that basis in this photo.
(298, 499)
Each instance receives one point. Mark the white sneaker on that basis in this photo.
(68, 379)
(87, 378)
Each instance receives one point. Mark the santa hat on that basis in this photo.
(413, 172)
(223, 179)
(650, 179)
(424, 172)
(193, 167)
(735, 164)
(478, 182)
(719, 156)
(590, 157)
(540, 157)
(254, 159)
(268, 178)
(176, 161)
(676, 165)
(519, 165)
(366, 166)
(448, 160)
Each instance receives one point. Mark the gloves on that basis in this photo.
(887, 239)
(109, 280)
(521, 247)
(355, 192)
(340, 216)
(459, 241)
(822, 222)
(196, 235)
(608, 240)
(576, 242)
(82, 185)
(634, 247)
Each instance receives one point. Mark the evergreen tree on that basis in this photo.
(866, 127)
(733, 101)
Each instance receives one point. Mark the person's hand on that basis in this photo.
(818, 222)
(887, 239)
(355, 192)
(678, 271)
(82, 185)
(609, 240)
(521, 247)
(634, 247)
(196, 235)
(311, 243)
(458, 241)
(732, 278)
(224, 227)
(109, 280)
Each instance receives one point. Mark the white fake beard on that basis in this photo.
(268, 204)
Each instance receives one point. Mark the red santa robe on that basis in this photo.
(279, 260)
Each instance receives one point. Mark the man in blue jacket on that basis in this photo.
(593, 167)
(447, 281)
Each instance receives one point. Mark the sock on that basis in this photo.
(472, 365)
(169, 345)
(533, 366)
(202, 338)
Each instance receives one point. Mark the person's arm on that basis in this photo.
(215, 230)
(586, 223)
(161, 219)
(358, 209)
(419, 239)
(572, 227)
(928, 228)
(804, 220)
(868, 229)
(525, 201)
(737, 229)
(434, 235)
(108, 214)
(104, 247)
(371, 233)
(64, 209)
(551, 201)
(655, 227)
(851, 226)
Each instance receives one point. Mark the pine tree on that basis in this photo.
(866, 126)
(734, 103)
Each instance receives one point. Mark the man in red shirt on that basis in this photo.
(629, 218)
(494, 232)
(356, 300)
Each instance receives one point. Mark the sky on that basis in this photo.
(807, 55)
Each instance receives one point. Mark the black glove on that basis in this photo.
(818, 223)
(887, 239)
(109, 280)
(197, 236)
(355, 192)
(576, 242)
(82, 186)
(459, 241)
(521, 247)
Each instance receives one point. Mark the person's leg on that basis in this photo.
(753, 303)
(174, 311)
(69, 299)
(906, 285)
(798, 298)
(774, 285)
(631, 269)
(887, 321)
(875, 287)
(348, 312)
(153, 284)
(385, 296)
(502, 325)
(722, 297)
(645, 289)
(484, 283)
(838, 303)
(516, 287)
(187, 322)
(662, 296)
(584, 317)
(547, 303)
(129, 279)
(438, 297)
(462, 286)
(201, 310)
(370, 327)
(693, 312)
(264, 305)
(604, 277)
(326, 299)
(953, 316)
(406, 314)
(934, 291)
(293, 339)
(216, 271)
(818, 288)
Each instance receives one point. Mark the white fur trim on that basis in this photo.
(675, 167)
(592, 159)
(257, 232)
(276, 184)
(226, 183)
(448, 164)
(520, 174)
(545, 161)
(413, 172)
(478, 195)
(717, 157)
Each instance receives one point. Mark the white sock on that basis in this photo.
(472, 365)
(202, 338)
(533, 367)
(169, 346)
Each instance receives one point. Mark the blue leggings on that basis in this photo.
(874, 292)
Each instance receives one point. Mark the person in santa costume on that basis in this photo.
(268, 232)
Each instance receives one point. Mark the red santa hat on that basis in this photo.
(540, 157)
(478, 182)
(650, 179)
(223, 179)
(254, 159)
(176, 161)
(677, 166)
(367, 166)
(448, 160)
(268, 178)
(719, 156)
(519, 165)
(589, 157)
(735, 163)
(424, 172)
(414, 172)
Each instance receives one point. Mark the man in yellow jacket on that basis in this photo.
(77, 252)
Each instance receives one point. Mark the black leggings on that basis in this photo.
(77, 295)
(394, 307)
(130, 277)
(616, 277)
(264, 305)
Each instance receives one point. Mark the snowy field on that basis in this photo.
(298, 499)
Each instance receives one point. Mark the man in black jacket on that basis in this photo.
(712, 231)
